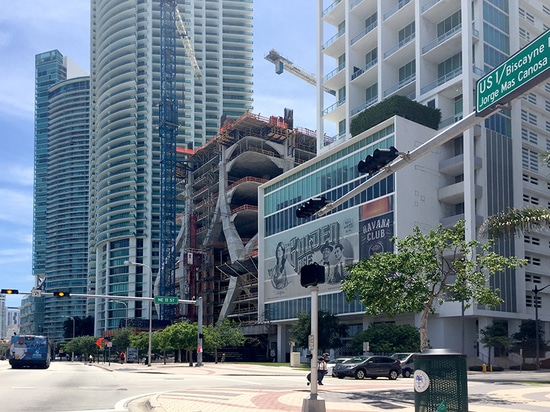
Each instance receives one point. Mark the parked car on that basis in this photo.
(407, 362)
(360, 367)
(331, 363)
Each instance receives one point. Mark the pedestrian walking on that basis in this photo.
(322, 368)
(122, 357)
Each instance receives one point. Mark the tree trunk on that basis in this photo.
(424, 344)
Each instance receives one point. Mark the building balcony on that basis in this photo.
(442, 80)
(334, 13)
(444, 47)
(335, 46)
(436, 11)
(364, 106)
(400, 14)
(402, 51)
(335, 79)
(405, 86)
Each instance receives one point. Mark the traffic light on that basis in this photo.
(9, 291)
(379, 159)
(61, 294)
(311, 207)
(312, 275)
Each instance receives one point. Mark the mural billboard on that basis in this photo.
(331, 242)
(376, 227)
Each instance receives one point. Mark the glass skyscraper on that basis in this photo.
(60, 193)
(125, 150)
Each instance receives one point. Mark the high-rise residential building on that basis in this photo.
(60, 192)
(128, 72)
(432, 52)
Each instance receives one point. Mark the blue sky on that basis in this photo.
(29, 27)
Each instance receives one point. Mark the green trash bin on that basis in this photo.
(440, 381)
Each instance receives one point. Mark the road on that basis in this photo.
(77, 387)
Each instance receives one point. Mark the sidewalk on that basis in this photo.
(337, 396)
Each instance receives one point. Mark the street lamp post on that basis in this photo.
(536, 292)
(126, 306)
(150, 306)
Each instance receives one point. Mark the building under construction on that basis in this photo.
(217, 242)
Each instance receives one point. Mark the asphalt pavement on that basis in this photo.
(525, 391)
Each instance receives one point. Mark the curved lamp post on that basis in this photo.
(536, 292)
(129, 263)
(126, 306)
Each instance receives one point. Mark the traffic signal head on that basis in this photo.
(61, 294)
(379, 159)
(312, 275)
(311, 207)
(9, 291)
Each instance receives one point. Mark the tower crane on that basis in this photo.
(180, 27)
(171, 24)
(281, 63)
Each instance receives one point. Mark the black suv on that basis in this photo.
(360, 367)
(407, 363)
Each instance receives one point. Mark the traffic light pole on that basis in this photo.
(314, 403)
(403, 160)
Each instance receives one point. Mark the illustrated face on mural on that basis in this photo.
(280, 252)
(338, 252)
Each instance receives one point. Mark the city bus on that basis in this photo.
(29, 351)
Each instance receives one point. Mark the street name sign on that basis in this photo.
(168, 300)
(522, 71)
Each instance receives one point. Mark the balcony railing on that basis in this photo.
(362, 107)
(402, 83)
(395, 9)
(443, 79)
(399, 45)
(362, 70)
(333, 106)
(441, 38)
(429, 5)
(331, 7)
(368, 29)
(333, 39)
(334, 72)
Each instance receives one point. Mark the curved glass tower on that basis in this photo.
(125, 150)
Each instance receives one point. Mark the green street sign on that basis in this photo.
(524, 70)
(168, 300)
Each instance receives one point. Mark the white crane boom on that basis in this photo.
(187, 44)
(281, 63)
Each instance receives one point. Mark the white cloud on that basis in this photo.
(16, 206)
(17, 174)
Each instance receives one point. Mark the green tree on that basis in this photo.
(222, 334)
(330, 331)
(387, 338)
(81, 345)
(495, 336)
(121, 339)
(140, 341)
(183, 336)
(424, 270)
(525, 339)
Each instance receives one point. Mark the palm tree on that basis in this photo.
(514, 221)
